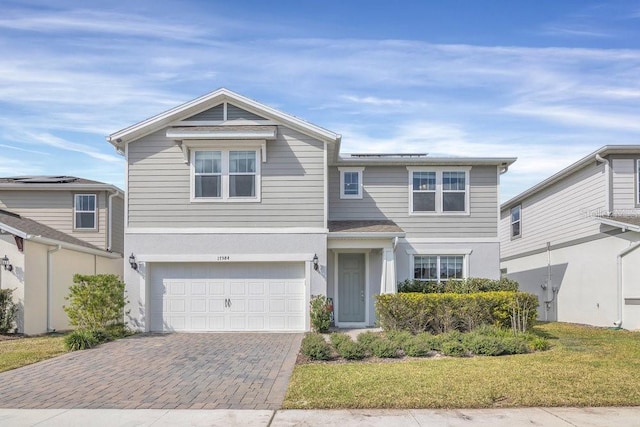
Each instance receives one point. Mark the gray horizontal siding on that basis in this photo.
(55, 209)
(292, 187)
(624, 186)
(386, 196)
(117, 224)
(215, 114)
(560, 213)
(235, 113)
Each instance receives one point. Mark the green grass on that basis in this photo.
(585, 367)
(19, 352)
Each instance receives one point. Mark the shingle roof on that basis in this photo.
(632, 220)
(31, 227)
(364, 226)
(20, 180)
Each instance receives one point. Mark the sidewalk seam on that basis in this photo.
(558, 417)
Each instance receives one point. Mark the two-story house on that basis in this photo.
(52, 227)
(573, 238)
(236, 214)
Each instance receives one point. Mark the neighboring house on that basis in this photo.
(52, 227)
(238, 213)
(573, 239)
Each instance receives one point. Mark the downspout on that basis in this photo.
(631, 248)
(504, 168)
(607, 182)
(50, 252)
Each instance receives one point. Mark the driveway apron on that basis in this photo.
(161, 371)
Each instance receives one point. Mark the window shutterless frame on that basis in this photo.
(439, 268)
(85, 212)
(225, 175)
(351, 183)
(516, 221)
(440, 191)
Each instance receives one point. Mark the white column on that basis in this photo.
(388, 272)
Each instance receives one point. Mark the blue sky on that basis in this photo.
(546, 81)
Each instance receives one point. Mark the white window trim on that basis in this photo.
(439, 198)
(225, 150)
(95, 211)
(511, 222)
(465, 262)
(360, 185)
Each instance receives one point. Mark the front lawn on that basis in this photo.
(18, 352)
(585, 367)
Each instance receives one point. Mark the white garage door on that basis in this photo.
(227, 297)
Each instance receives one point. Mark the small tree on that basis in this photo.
(95, 302)
(8, 311)
(321, 309)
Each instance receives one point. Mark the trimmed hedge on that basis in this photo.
(315, 347)
(444, 312)
(466, 286)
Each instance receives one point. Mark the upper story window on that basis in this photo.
(225, 175)
(438, 268)
(351, 183)
(438, 191)
(84, 209)
(516, 221)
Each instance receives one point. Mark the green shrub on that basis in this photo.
(95, 302)
(469, 285)
(419, 345)
(351, 350)
(338, 338)
(367, 338)
(439, 313)
(399, 338)
(80, 339)
(320, 312)
(454, 348)
(118, 330)
(484, 345)
(8, 311)
(516, 345)
(539, 343)
(384, 348)
(100, 335)
(315, 347)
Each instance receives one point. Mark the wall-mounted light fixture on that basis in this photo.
(5, 263)
(315, 262)
(132, 261)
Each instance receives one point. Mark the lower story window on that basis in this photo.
(438, 268)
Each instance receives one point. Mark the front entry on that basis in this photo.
(351, 288)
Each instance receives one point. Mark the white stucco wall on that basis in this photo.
(585, 275)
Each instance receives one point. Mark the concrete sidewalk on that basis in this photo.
(513, 417)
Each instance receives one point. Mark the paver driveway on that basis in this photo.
(237, 371)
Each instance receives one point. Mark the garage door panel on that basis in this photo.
(216, 306)
(227, 297)
(198, 305)
(215, 288)
(238, 288)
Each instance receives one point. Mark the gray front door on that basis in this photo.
(351, 288)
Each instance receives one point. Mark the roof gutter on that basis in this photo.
(365, 235)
